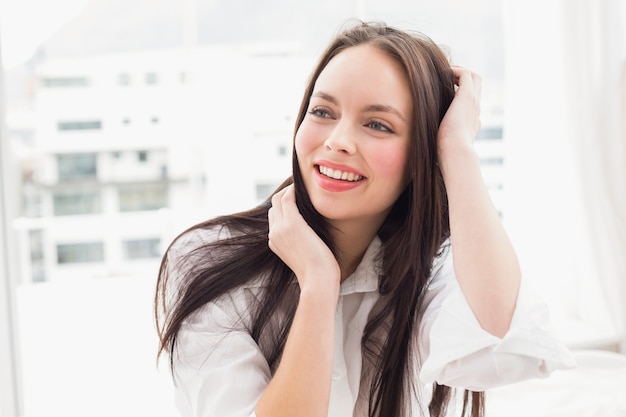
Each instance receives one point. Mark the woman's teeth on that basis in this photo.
(339, 175)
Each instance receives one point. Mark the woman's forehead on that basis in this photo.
(367, 72)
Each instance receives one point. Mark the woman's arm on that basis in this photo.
(302, 382)
(485, 262)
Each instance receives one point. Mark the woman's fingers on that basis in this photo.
(275, 214)
(461, 74)
(284, 219)
(462, 120)
(467, 81)
(276, 203)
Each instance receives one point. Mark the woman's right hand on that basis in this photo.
(295, 242)
(301, 384)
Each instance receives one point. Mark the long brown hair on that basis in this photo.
(412, 237)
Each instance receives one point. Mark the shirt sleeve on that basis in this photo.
(457, 352)
(218, 368)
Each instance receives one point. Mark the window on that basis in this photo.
(495, 160)
(36, 240)
(80, 125)
(77, 166)
(152, 78)
(77, 202)
(490, 133)
(65, 82)
(143, 197)
(264, 190)
(141, 248)
(123, 79)
(73, 253)
(32, 204)
(142, 156)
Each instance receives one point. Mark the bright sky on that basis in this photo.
(25, 24)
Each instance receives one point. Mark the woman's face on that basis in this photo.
(353, 143)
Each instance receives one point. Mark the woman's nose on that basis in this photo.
(341, 139)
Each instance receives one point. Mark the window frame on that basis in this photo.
(10, 393)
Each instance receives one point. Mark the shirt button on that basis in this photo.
(336, 375)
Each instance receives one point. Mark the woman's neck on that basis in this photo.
(351, 240)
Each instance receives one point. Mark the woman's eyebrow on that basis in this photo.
(325, 96)
(386, 109)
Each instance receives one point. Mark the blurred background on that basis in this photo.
(122, 122)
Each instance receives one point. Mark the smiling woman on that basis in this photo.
(361, 282)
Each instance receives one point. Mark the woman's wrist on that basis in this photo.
(320, 290)
(457, 154)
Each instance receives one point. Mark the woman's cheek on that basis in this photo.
(306, 139)
(389, 160)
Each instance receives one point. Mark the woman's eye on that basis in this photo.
(381, 127)
(319, 112)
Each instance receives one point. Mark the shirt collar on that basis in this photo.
(365, 277)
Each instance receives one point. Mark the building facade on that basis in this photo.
(130, 149)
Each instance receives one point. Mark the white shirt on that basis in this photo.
(220, 371)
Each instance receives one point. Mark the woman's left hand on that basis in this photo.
(461, 122)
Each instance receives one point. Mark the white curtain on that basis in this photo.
(565, 204)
